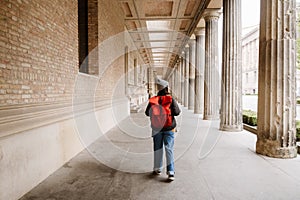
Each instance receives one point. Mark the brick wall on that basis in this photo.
(39, 64)
(39, 48)
(111, 20)
(112, 50)
(38, 55)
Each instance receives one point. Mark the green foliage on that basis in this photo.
(250, 117)
(298, 130)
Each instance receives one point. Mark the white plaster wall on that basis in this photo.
(27, 158)
(31, 156)
(110, 117)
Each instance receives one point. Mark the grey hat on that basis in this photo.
(161, 83)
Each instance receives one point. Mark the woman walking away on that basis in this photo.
(162, 109)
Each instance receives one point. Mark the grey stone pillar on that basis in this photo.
(199, 73)
(192, 49)
(179, 80)
(174, 83)
(153, 75)
(276, 131)
(182, 60)
(135, 72)
(211, 77)
(231, 117)
(151, 86)
(126, 70)
(186, 77)
(170, 80)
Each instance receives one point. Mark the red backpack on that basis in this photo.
(161, 113)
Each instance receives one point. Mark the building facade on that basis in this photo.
(250, 49)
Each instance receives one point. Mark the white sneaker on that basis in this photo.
(156, 172)
(171, 177)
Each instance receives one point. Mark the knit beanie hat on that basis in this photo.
(161, 83)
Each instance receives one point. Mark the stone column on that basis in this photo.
(151, 85)
(211, 77)
(174, 84)
(192, 49)
(179, 80)
(153, 75)
(126, 70)
(171, 86)
(182, 60)
(199, 73)
(186, 77)
(231, 118)
(135, 72)
(276, 131)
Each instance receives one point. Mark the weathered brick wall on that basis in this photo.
(111, 83)
(111, 19)
(112, 50)
(38, 50)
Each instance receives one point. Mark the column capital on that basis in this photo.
(191, 41)
(199, 31)
(186, 49)
(211, 13)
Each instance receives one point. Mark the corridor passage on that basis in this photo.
(210, 164)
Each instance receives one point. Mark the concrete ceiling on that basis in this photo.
(161, 28)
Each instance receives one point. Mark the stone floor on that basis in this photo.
(210, 164)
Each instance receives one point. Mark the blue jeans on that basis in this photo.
(160, 139)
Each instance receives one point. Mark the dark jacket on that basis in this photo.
(175, 111)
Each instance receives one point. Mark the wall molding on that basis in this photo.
(18, 118)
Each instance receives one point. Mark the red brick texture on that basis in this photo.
(39, 50)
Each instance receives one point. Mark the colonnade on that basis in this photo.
(204, 87)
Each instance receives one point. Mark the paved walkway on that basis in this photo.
(210, 164)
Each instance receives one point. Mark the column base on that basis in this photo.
(231, 128)
(272, 148)
(211, 117)
(190, 108)
(198, 112)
